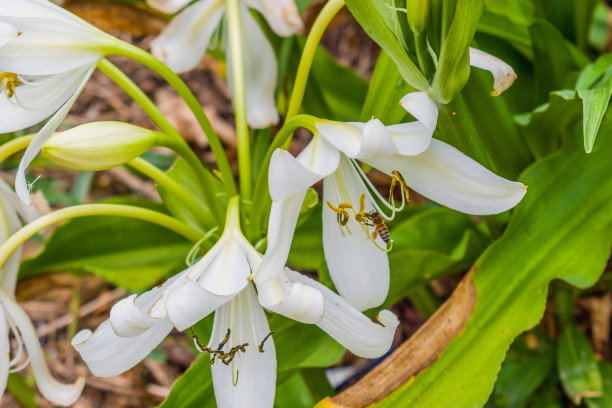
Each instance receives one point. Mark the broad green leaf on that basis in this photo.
(378, 20)
(548, 396)
(129, 253)
(17, 386)
(578, 369)
(605, 401)
(430, 244)
(193, 389)
(182, 174)
(561, 230)
(293, 393)
(499, 22)
(522, 372)
(307, 245)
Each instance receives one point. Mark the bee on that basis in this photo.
(379, 225)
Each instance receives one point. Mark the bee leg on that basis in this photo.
(374, 235)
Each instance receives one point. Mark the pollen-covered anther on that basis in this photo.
(9, 81)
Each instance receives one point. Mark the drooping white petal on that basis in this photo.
(189, 303)
(359, 269)
(47, 46)
(41, 9)
(4, 351)
(50, 388)
(16, 207)
(344, 136)
(7, 33)
(301, 302)
(282, 15)
(288, 175)
(448, 177)
(348, 326)
(38, 98)
(259, 73)
(281, 226)
(168, 6)
(107, 354)
(45, 133)
(185, 40)
(413, 138)
(250, 379)
(503, 74)
(9, 223)
(375, 140)
(128, 319)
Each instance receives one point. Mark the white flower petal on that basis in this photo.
(128, 319)
(359, 269)
(168, 6)
(302, 303)
(50, 388)
(503, 74)
(259, 73)
(288, 175)
(38, 99)
(345, 137)
(375, 140)
(189, 303)
(413, 138)
(228, 271)
(7, 33)
(253, 372)
(282, 15)
(4, 351)
(448, 177)
(185, 40)
(348, 326)
(45, 133)
(41, 9)
(107, 354)
(281, 226)
(47, 46)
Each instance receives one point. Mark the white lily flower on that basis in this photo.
(14, 320)
(357, 261)
(241, 347)
(183, 43)
(503, 74)
(43, 69)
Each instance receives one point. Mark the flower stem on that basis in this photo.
(19, 237)
(173, 188)
(331, 8)
(13, 146)
(239, 97)
(261, 196)
(137, 54)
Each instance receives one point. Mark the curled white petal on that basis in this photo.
(128, 319)
(185, 40)
(349, 327)
(503, 74)
(45, 133)
(50, 388)
(282, 15)
(412, 138)
(358, 267)
(448, 177)
(189, 303)
(168, 6)
(250, 380)
(345, 137)
(107, 354)
(259, 73)
(375, 140)
(301, 302)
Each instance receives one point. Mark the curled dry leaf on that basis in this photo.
(412, 357)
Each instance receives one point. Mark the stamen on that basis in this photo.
(261, 350)
(9, 81)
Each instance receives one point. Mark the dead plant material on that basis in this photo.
(416, 354)
(119, 17)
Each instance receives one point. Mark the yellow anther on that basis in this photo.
(398, 179)
(342, 215)
(9, 81)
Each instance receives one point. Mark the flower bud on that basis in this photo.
(98, 145)
(417, 12)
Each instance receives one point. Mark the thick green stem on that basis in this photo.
(261, 197)
(173, 187)
(178, 143)
(19, 237)
(331, 8)
(135, 53)
(13, 146)
(239, 97)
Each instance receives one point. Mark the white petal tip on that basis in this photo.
(388, 319)
(503, 74)
(81, 337)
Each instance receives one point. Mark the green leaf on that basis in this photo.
(377, 19)
(432, 243)
(561, 229)
(605, 401)
(129, 253)
(193, 389)
(578, 369)
(307, 245)
(294, 393)
(17, 386)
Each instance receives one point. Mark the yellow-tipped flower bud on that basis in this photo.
(99, 145)
(417, 12)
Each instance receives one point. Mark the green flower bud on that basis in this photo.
(417, 12)
(99, 145)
